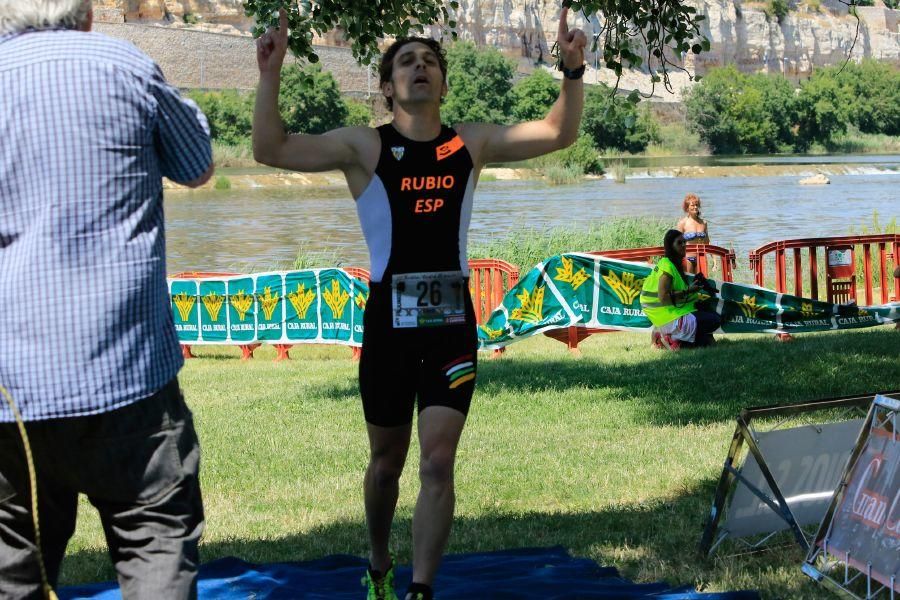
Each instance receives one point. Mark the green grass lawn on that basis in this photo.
(614, 455)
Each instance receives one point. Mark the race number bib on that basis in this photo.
(428, 299)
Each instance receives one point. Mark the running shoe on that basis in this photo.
(381, 587)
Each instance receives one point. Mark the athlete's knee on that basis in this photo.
(385, 470)
(436, 468)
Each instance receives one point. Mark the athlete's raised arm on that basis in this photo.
(497, 143)
(336, 149)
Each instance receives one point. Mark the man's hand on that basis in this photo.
(272, 46)
(571, 43)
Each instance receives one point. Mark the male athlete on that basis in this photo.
(413, 181)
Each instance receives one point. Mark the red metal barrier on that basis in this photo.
(489, 280)
(571, 336)
(840, 286)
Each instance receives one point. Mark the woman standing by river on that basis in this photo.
(693, 226)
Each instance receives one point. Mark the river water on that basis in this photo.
(255, 230)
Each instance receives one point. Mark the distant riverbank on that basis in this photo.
(241, 179)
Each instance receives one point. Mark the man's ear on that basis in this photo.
(88, 20)
(387, 89)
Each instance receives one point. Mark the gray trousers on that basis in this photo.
(137, 465)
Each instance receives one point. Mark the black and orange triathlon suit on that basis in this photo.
(420, 334)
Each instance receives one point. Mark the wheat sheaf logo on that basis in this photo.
(749, 307)
(627, 287)
(532, 309)
(241, 303)
(185, 304)
(336, 299)
(268, 301)
(568, 274)
(213, 303)
(492, 334)
(361, 300)
(806, 309)
(301, 299)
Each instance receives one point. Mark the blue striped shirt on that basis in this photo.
(88, 127)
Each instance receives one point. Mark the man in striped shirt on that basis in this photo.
(88, 350)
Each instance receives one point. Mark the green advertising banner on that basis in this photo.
(326, 306)
(302, 308)
(583, 290)
(184, 308)
(213, 320)
(270, 310)
(241, 310)
(295, 307)
(337, 305)
(360, 297)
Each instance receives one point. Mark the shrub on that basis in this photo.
(581, 155)
(230, 114)
(562, 174)
(358, 114)
(777, 9)
(222, 183)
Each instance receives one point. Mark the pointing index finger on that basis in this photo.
(282, 21)
(563, 25)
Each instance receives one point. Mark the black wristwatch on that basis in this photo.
(572, 73)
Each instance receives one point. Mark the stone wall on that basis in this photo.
(192, 58)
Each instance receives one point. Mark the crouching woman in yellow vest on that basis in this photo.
(670, 303)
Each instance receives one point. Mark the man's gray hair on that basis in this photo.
(19, 15)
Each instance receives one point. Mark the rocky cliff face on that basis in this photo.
(740, 31)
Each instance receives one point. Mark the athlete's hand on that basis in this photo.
(272, 46)
(571, 43)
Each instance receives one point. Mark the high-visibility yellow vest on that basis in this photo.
(658, 314)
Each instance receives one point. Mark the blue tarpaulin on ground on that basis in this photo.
(522, 574)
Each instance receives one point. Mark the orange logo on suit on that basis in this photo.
(450, 148)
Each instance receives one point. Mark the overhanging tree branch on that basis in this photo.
(662, 27)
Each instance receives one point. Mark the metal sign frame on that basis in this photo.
(819, 561)
(731, 472)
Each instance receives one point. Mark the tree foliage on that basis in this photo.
(822, 110)
(534, 95)
(314, 108)
(612, 122)
(737, 113)
(873, 92)
(229, 113)
(632, 33)
(362, 22)
(479, 83)
(359, 114)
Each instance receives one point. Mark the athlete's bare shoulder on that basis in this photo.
(362, 141)
(474, 136)
(363, 146)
